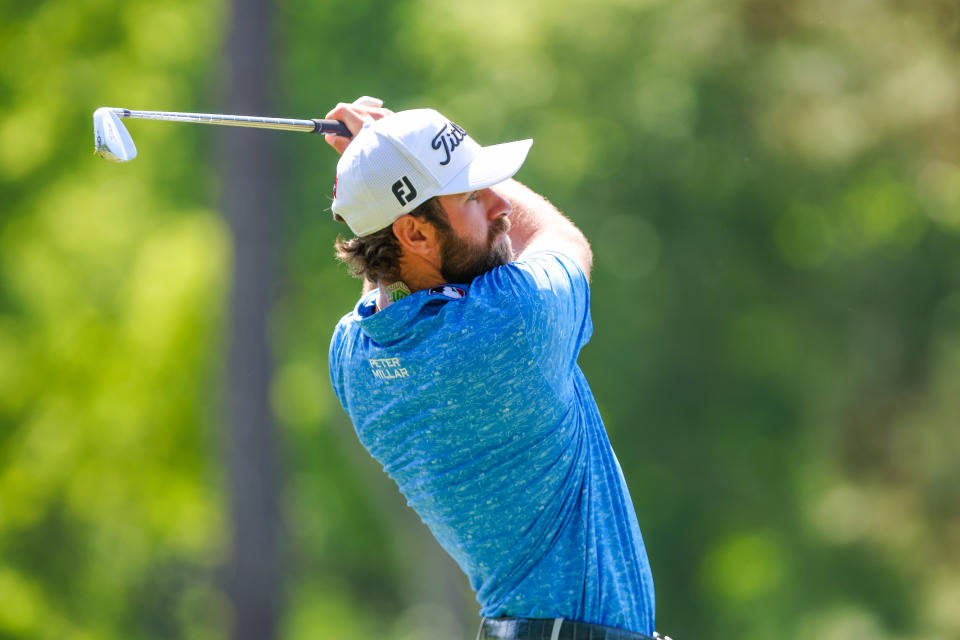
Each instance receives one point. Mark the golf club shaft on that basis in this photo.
(283, 124)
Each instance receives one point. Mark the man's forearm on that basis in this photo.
(536, 225)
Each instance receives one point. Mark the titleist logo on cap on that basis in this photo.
(448, 139)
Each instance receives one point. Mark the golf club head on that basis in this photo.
(110, 138)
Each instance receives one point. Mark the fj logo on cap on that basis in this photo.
(448, 139)
(404, 191)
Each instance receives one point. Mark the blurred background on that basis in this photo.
(772, 190)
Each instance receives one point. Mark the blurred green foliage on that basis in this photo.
(772, 189)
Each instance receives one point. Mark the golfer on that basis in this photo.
(458, 368)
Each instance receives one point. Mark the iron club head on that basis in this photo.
(110, 138)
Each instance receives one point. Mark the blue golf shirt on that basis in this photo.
(471, 398)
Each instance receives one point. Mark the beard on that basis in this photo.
(463, 260)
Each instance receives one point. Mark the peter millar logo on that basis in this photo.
(448, 139)
(404, 191)
(388, 368)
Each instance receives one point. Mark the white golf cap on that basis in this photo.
(402, 160)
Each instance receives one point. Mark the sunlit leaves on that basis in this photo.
(109, 310)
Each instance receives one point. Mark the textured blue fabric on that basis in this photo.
(476, 407)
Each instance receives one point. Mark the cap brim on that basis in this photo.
(491, 166)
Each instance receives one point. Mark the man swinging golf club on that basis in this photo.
(458, 368)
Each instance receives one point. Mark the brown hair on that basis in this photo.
(376, 256)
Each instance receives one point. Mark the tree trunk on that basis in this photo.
(254, 580)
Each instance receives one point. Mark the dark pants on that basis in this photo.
(552, 629)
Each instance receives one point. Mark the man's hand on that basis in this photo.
(354, 115)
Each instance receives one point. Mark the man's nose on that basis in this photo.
(497, 205)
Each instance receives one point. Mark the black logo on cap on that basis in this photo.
(404, 191)
(448, 139)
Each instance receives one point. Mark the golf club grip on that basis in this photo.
(335, 127)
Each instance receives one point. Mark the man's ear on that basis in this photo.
(417, 237)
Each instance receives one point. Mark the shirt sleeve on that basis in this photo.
(551, 295)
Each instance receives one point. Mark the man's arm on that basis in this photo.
(536, 225)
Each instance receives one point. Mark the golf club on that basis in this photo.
(113, 142)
